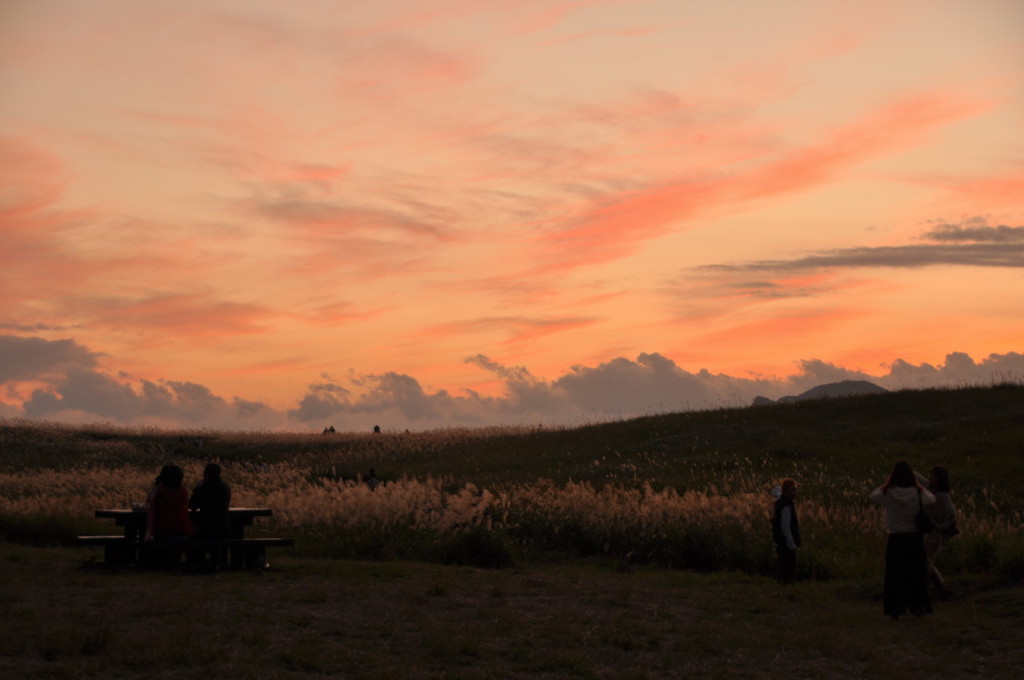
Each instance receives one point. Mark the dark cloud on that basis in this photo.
(973, 245)
(87, 391)
(976, 230)
(249, 409)
(323, 401)
(958, 370)
(30, 358)
(33, 328)
(968, 255)
(515, 374)
(294, 204)
(76, 390)
(396, 396)
(615, 389)
(651, 384)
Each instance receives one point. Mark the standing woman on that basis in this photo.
(944, 514)
(906, 565)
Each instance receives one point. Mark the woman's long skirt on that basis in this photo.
(906, 575)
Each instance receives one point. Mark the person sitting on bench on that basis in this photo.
(211, 499)
(167, 515)
(210, 502)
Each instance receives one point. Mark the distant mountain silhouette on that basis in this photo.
(844, 388)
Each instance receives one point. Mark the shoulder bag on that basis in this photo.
(923, 519)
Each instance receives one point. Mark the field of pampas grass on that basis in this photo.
(637, 549)
(685, 491)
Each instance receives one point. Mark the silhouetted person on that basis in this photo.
(371, 480)
(167, 515)
(786, 530)
(376, 429)
(944, 515)
(211, 499)
(210, 502)
(906, 564)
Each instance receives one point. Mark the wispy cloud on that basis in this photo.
(976, 230)
(203, 317)
(613, 226)
(514, 330)
(974, 244)
(391, 187)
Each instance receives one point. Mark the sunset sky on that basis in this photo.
(259, 214)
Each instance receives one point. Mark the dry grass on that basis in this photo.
(723, 527)
(309, 618)
(590, 516)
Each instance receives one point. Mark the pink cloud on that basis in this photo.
(988, 193)
(612, 228)
(610, 33)
(35, 262)
(518, 330)
(32, 181)
(188, 315)
(784, 329)
(896, 127)
(548, 15)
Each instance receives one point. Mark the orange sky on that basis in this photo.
(256, 214)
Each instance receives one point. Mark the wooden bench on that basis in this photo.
(236, 553)
(116, 549)
(216, 553)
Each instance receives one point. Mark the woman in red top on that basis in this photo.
(168, 506)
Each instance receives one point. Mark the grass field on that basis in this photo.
(311, 618)
(632, 549)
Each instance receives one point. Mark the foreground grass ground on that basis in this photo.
(308, 618)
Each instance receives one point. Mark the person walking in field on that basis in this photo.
(786, 529)
(906, 564)
(944, 515)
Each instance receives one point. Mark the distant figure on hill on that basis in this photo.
(371, 480)
(167, 513)
(944, 515)
(211, 500)
(376, 429)
(906, 564)
(786, 529)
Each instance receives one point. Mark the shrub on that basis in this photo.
(38, 529)
(478, 547)
(1011, 561)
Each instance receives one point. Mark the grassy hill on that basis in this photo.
(663, 488)
(977, 432)
(582, 510)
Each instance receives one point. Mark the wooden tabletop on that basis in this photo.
(125, 512)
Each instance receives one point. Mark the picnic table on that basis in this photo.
(132, 548)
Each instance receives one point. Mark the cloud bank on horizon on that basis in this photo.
(71, 388)
(256, 214)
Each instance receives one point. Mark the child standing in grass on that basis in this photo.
(786, 530)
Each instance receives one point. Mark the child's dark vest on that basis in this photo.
(794, 523)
